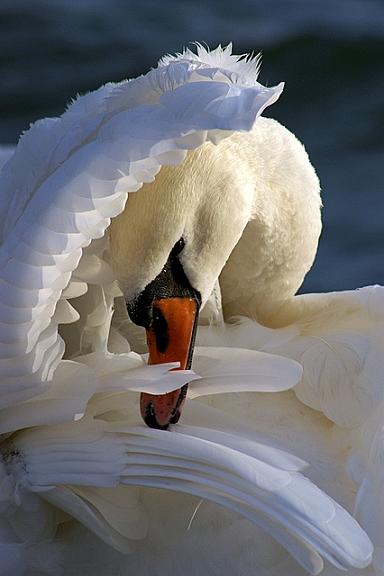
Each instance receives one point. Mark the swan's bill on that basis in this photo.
(171, 335)
(168, 308)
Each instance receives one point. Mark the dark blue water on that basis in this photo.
(330, 53)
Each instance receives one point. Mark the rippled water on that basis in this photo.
(329, 53)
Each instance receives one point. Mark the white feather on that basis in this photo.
(71, 433)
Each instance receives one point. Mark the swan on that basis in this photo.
(282, 424)
(257, 226)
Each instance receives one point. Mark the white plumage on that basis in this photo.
(72, 441)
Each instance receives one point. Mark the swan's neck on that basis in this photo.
(256, 281)
(279, 243)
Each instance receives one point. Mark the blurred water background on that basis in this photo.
(330, 53)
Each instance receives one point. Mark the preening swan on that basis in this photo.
(279, 443)
(252, 198)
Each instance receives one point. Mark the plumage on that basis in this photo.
(283, 424)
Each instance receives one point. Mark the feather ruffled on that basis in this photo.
(71, 438)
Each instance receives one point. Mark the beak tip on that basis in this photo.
(159, 411)
(150, 419)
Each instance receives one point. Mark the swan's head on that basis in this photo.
(168, 248)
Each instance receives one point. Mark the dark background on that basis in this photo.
(330, 53)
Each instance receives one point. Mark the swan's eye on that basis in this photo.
(178, 247)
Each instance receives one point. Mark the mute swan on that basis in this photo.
(253, 200)
(72, 437)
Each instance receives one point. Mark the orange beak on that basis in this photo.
(170, 338)
(168, 308)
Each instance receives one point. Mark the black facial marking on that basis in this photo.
(160, 327)
(178, 247)
(170, 283)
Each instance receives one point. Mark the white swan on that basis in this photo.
(66, 179)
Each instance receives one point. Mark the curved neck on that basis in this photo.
(271, 259)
